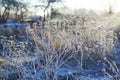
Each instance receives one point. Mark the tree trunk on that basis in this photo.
(16, 15)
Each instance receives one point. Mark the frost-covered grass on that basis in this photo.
(82, 42)
(73, 48)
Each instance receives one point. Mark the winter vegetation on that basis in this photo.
(58, 46)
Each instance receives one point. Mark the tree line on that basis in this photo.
(11, 6)
(18, 8)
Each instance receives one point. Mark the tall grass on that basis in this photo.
(79, 40)
(67, 49)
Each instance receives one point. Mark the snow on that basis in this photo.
(11, 23)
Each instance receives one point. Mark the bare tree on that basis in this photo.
(9, 5)
(47, 4)
(111, 5)
(20, 10)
